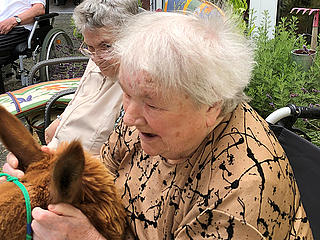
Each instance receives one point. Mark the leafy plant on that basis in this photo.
(76, 34)
(239, 5)
(278, 81)
(239, 9)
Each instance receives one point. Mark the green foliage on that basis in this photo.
(240, 6)
(250, 26)
(278, 81)
(76, 32)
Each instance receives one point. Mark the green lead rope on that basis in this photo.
(27, 200)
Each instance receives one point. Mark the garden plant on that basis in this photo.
(277, 80)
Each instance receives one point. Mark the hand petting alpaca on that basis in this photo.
(68, 175)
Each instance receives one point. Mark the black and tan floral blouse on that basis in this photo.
(237, 185)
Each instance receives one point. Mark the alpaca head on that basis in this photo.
(70, 175)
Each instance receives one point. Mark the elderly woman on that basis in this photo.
(192, 159)
(90, 116)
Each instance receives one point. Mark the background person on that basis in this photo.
(91, 115)
(16, 18)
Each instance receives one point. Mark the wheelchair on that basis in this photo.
(303, 156)
(44, 42)
(63, 2)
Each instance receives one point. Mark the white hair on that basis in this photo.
(206, 57)
(91, 14)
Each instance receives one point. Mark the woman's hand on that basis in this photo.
(11, 166)
(62, 221)
(50, 130)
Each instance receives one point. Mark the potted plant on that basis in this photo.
(304, 57)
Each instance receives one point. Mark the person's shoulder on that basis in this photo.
(246, 108)
(245, 122)
(246, 135)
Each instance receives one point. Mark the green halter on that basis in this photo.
(27, 200)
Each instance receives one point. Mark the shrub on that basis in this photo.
(278, 81)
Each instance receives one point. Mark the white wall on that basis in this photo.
(155, 4)
(259, 6)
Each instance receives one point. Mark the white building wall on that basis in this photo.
(156, 4)
(259, 6)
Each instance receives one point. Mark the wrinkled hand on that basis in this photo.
(11, 166)
(62, 221)
(7, 25)
(50, 130)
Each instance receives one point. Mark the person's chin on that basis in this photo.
(149, 143)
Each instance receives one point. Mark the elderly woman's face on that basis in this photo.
(172, 129)
(97, 39)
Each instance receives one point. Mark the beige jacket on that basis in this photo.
(91, 114)
(237, 185)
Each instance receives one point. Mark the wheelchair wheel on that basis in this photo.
(56, 44)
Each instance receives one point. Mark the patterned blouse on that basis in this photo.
(238, 184)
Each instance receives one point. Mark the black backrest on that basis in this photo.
(304, 158)
(47, 7)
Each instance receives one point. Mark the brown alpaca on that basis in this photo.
(70, 175)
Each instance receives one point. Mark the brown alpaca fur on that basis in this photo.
(69, 175)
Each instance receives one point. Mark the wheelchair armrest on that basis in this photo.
(279, 114)
(45, 16)
(53, 61)
(294, 112)
(52, 101)
(287, 117)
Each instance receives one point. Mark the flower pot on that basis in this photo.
(303, 58)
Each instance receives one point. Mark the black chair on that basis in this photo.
(63, 2)
(44, 42)
(304, 157)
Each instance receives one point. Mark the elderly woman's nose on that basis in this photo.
(133, 115)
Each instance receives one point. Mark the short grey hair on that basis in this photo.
(91, 14)
(207, 58)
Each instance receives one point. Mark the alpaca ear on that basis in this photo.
(66, 184)
(18, 140)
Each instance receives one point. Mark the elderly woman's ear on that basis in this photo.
(213, 115)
